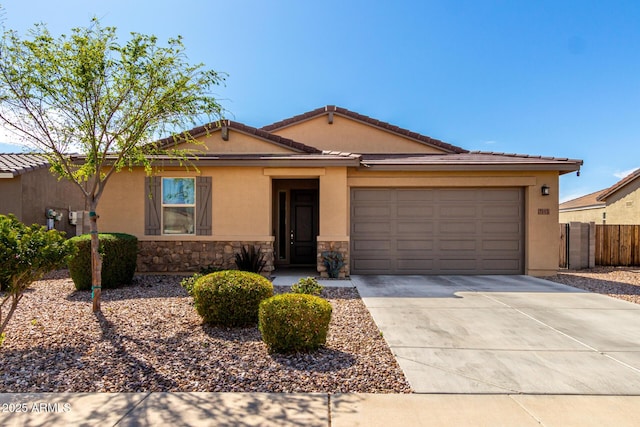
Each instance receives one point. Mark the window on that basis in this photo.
(178, 205)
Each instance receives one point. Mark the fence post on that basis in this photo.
(592, 244)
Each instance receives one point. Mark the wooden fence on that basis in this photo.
(617, 245)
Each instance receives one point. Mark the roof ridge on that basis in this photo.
(366, 119)
(618, 185)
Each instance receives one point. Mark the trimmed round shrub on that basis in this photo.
(230, 297)
(119, 255)
(294, 322)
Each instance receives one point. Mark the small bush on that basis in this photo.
(119, 254)
(294, 322)
(250, 259)
(188, 282)
(230, 297)
(333, 261)
(307, 285)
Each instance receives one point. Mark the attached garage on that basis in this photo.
(437, 230)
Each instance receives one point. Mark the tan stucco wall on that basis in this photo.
(351, 136)
(27, 196)
(11, 198)
(241, 204)
(238, 143)
(541, 212)
(623, 207)
(584, 215)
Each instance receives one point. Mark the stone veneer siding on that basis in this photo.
(190, 256)
(343, 248)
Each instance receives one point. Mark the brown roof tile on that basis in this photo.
(217, 126)
(365, 119)
(18, 163)
(618, 185)
(586, 201)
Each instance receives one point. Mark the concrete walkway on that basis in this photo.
(505, 334)
(308, 410)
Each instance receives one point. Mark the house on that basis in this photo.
(390, 200)
(35, 196)
(618, 204)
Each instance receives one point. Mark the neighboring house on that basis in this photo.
(390, 200)
(30, 192)
(618, 204)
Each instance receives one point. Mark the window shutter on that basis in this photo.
(203, 201)
(152, 205)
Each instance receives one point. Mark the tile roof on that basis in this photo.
(475, 160)
(618, 185)
(14, 164)
(217, 126)
(586, 201)
(365, 119)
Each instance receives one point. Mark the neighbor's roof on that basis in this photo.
(474, 160)
(589, 201)
(619, 185)
(14, 164)
(332, 109)
(249, 130)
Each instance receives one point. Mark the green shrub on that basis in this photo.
(26, 254)
(294, 322)
(230, 297)
(188, 282)
(250, 259)
(307, 285)
(119, 254)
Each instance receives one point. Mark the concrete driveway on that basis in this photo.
(505, 334)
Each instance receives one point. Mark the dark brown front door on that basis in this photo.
(304, 226)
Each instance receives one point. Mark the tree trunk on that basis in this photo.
(96, 261)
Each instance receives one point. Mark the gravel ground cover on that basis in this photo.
(148, 337)
(617, 282)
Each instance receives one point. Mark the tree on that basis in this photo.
(108, 101)
(26, 254)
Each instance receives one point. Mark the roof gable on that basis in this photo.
(229, 137)
(624, 182)
(335, 128)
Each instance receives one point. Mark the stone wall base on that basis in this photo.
(341, 247)
(188, 256)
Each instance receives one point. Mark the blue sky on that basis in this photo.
(553, 78)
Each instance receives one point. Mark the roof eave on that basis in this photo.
(562, 169)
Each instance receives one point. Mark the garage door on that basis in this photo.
(437, 231)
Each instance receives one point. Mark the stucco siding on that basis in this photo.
(583, 215)
(623, 207)
(11, 202)
(351, 136)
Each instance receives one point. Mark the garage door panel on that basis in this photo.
(372, 245)
(373, 211)
(414, 228)
(457, 211)
(414, 245)
(372, 228)
(447, 227)
(437, 231)
(509, 227)
(404, 211)
(414, 196)
(501, 245)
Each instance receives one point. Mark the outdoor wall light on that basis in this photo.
(544, 190)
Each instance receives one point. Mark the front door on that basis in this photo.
(304, 226)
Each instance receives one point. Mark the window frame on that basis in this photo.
(193, 206)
